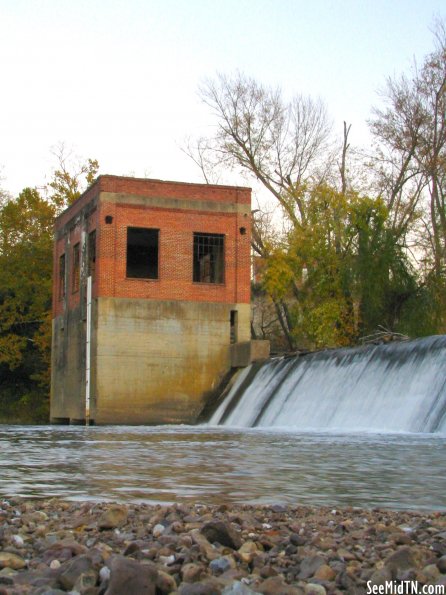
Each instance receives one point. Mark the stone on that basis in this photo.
(238, 588)
(310, 565)
(129, 576)
(325, 573)
(192, 573)
(8, 560)
(277, 586)
(86, 581)
(220, 565)
(158, 530)
(441, 564)
(165, 583)
(203, 588)
(380, 577)
(296, 539)
(247, 551)
(402, 559)
(223, 533)
(206, 548)
(314, 589)
(71, 570)
(113, 517)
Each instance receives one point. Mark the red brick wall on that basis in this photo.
(175, 242)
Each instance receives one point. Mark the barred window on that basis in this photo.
(209, 258)
(91, 254)
(142, 253)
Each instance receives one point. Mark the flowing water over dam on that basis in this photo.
(361, 427)
(399, 387)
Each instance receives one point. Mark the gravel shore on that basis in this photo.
(50, 547)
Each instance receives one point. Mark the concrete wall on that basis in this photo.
(157, 360)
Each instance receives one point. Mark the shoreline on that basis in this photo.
(54, 546)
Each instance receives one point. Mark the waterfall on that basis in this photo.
(398, 387)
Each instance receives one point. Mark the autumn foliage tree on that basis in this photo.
(26, 246)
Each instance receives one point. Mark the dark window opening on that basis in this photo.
(75, 280)
(242, 231)
(233, 326)
(91, 255)
(142, 253)
(62, 276)
(208, 258)
(108, 219)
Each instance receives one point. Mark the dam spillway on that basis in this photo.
(396, 387)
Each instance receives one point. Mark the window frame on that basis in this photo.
(214, 246)
(155, 263)
(76, 268)
(62, 286)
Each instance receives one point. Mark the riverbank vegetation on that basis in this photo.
(349, 240)
(26, 263)
(354, 238)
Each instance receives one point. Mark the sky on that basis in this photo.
(118, 81)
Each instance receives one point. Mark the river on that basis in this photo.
(211, 465)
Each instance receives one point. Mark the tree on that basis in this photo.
(71, 176)
(26, 247)
(25, 296)
(411, 159)
(282, 144)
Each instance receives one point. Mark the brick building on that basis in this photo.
(170, 292)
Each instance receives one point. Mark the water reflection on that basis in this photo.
(168, 464)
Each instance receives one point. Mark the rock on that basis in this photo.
(220, 565)
(314, 589)
(325, 573)
(309, 566)
(208, 549)
(380, 577)
(441, 564)
(276, 586)
(129, 576)
(247, 551)
(71, 570)
(238, 588)
(158, 530)
(402, 559)
(165, 583)
(192, 573)
(8, 560)
(204, 588)
(431, 572)
(86, 582)
(296, 539)
(113, 517)
(223, 533)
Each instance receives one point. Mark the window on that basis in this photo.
(142, 253)
(91, 254)
(62, 276)
(76, 268)
(208, 266)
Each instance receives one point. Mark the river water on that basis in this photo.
(214, 465)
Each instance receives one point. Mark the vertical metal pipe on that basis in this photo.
(87, 356)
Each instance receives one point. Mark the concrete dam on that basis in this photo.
(398, 387)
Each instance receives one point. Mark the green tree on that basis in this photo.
(26, 249)
(25, 298)
(350, 273)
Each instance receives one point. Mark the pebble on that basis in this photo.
(114, 549)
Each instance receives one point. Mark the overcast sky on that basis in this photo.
(117, 80)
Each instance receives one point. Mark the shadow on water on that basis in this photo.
(168, 464)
